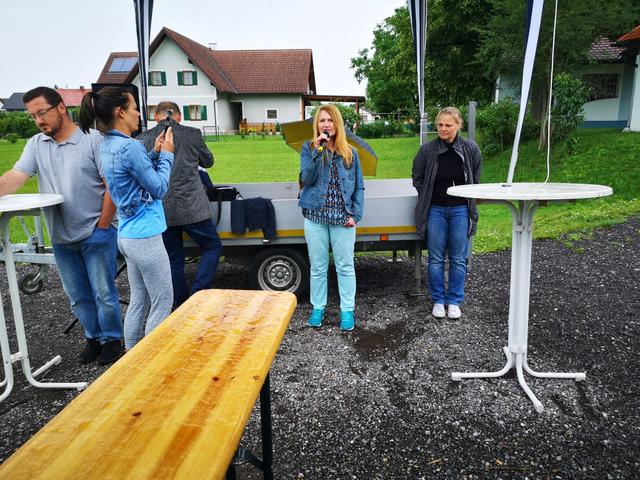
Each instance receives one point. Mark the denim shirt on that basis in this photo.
(314, 175)
(137, 181)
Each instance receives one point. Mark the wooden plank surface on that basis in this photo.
(176, 405)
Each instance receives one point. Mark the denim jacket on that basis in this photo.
(137, 181)
(314, 177)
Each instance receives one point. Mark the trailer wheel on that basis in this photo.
(30, 284)
(280, 269)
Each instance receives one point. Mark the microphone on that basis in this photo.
(323, 142)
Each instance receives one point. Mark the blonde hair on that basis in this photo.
(454, 112)
(340, 138)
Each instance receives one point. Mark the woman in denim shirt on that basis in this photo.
(137, 181)
(332, 202)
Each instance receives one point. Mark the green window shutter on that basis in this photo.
(195, 77)
(180, 78)
(203, 112)
(164, 78)
(185, 110)
(149, 79)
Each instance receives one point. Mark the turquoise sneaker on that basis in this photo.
(316, 317)
(347, 321)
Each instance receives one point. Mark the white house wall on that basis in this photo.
(607, 109)
(634, 120)
(255, 107)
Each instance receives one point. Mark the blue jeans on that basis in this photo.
(342, 240)
(447, 236)
(205, 235)
(88, 270)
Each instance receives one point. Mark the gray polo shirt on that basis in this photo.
(72, 169)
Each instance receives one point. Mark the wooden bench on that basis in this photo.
(177, 404)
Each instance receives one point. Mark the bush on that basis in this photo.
(11, 138)
(381, 129)
(19, 123)
(570, 94)
(497, 125)
(349, 114)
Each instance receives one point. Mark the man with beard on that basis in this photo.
(84, 242)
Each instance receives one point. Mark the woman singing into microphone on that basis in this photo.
(332, 202)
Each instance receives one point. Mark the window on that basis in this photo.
(157, 79)
(272, 114)
(123, 64)
(151, 112)
(194, 112)
(602, 85)
(187, 77)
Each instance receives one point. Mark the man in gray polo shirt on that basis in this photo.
(84, 243)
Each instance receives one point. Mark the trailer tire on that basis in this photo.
(280, 269)
(28, 286)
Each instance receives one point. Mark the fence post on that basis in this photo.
(472, 120)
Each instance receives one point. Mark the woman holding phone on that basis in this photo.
(137, 180)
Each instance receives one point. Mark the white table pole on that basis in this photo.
(23, 352)
(6, 356)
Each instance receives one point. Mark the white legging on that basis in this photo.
(149, 274)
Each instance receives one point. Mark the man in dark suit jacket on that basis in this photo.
(186, 205)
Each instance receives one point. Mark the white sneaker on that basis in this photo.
(438, 310)
(454, 311)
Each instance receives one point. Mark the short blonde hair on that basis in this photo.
(340, 141)
(454, 112)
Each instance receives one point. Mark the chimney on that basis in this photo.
(213, 46)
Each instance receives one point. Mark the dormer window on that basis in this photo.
(187, 77)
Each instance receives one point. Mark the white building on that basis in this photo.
(220, 89)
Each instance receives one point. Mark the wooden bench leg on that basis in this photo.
(266, 464)
(265, 422)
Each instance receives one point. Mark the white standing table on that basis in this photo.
(523, 199)
(11, 206)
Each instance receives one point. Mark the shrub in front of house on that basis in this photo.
(497, 125)
(19, 123)
(381, 129)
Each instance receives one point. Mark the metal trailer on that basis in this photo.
(281, 263)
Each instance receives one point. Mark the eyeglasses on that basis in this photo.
(43, 112)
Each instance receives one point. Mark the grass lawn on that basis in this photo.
(605, 157)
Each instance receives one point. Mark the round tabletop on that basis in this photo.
(530, 191)
(29, 201)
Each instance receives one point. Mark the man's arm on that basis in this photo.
(108, 209)
(205, 157)
(11, 181)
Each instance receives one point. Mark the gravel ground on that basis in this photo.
(378, 403)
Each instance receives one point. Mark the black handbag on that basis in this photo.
(222, 193)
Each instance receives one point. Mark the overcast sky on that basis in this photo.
(67, 42)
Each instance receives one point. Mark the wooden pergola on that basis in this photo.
(307, 99)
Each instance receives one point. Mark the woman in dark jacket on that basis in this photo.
(446, 222)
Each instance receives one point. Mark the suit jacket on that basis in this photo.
(186, 201)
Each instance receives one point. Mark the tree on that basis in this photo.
(348, 113)
(452, 77)
(389, 66)
(580, 22)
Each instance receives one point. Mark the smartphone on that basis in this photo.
(167, 121)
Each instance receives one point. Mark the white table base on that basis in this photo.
(23, 352)
(516, 351)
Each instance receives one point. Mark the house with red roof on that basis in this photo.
(219, 88)
(614, 82)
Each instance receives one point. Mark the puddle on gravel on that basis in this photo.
(371, 344)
